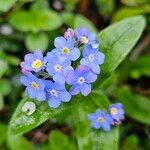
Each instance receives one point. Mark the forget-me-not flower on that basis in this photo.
(34, 86)
(57, 67)
(84, 36)
(66, 48)
(92, 58)
(116, 112)
(56, 93)
(34, 62)
(81, 80)
(100, 120)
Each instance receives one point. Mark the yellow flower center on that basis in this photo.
(65, 50)
(34, 85)
(36, 64)
(100, 119)
(113, 111)
(57, 68)
(84, 39)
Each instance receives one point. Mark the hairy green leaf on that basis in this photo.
(116, 42)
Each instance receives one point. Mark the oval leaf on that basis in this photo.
(116, 42)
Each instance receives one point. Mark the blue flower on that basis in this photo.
(34, 86)
(33, 62)
(80, 79)
(66, 48)
(57, 67)
(56, 93)
(116, 112)
(85, 37)
(92, 58)
(100, 120)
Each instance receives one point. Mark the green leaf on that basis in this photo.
(19, 143)
(36, 41)
(134, 2)
(5, 87)
(22, 123)
(4, 66)
(82, 21)
(105, 7)
(58, 140)
(125, 12)
(1, 102)
(140, 67)
(3, 133)
(88, 138)
(116, 42)
(136, 106)
(35, 20)
(5, 5)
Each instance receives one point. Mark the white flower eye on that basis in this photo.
(29, 108)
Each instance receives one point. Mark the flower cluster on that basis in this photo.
(104, 120)
(46, 77)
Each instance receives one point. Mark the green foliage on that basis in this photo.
(105, 7)
(125, 12)
(35, 20)
(62, 144)
(5, 5)
(134, 2)
(140, 67)
(117, 41)
(34, 41)
(19, 143)
(136, 106)
(3, 133)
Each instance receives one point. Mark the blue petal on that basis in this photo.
(86, 51)
(96, 125)
(52, 58)
(92, 36)
(85, 61)
(40, 95)
(81, 31)
(59, 87)
(60, 42)
(59, 78)
(99, 112)
(90, 77)
(70, 43)
(38, 54)
(30, 92)
(25, 80)
(100, 58)
(75, 54)
(28, 58)
(50, 69)
(92, 117)
(81, 70)
(71, 77)
(26, 66)
(75, 89)
(54, 102)
(65, 96)
(95, 68)
(85, 89)
(106, 126)
(32, 77)
(48, 84)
